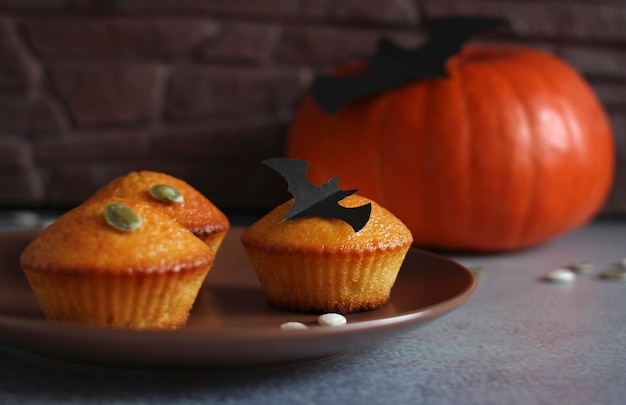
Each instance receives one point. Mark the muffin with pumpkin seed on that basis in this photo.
(176, 198)
(118, 263)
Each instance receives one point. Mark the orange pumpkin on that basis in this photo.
(511, 149)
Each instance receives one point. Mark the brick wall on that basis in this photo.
(204, 90)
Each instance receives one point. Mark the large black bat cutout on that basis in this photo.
(311, 200)
(393, 66)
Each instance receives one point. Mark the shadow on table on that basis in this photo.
(24, 377)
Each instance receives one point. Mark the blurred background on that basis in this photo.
(204, 90)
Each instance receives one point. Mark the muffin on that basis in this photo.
(313, 264)
(179, 200)
(118, 263)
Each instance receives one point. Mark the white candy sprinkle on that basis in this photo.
(560, 276)
(293, 326)
(332, 319)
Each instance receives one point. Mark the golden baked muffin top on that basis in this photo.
(196, 213)
(382, 231)
(82, 240)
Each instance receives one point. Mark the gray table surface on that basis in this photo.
(518, 340)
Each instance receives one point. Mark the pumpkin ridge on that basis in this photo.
(586, 150)
(467, 131)
(578, 199)
(500, 202)
(596, 187)
(520, 229)
(387, 134)
(570, 201)
(378, 178)
(428, 112)
(534, 168)
(440, 162)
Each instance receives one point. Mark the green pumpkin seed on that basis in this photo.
(477, 270)
(619, 275)
(122, 217)
(581, 267)
(166, 193)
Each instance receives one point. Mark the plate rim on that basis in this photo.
(389, 325)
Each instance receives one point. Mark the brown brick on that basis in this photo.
(95, 145)
(18, 69)
(377, 11)
(23, 188)
(15, 154)
(597, 62)
(205, 91)
(616, 203)
(243, 141)
(241, 42)
(19, 180)
(241, 8)
(402, 12)
(39, 5)
(554, 20)
(254, 8)
(110, 94)
(117, 37)
(618, 123)
(324, 45)
(72, 182)
(327, 46)
(34, 114)
(611, 94)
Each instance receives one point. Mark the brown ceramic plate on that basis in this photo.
(230, 325)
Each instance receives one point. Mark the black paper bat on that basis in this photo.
(393, 66)
(311, 200)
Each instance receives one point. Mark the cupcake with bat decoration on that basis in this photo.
(325, 250)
